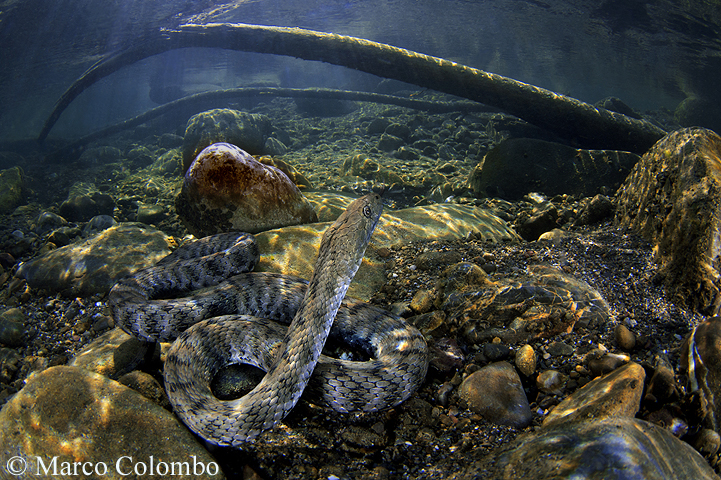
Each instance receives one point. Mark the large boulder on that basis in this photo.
(226, 189)
(82, 425)
(249, 131)
(672, 197)
(521, 165)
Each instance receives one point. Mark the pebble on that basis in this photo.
(526, 360)
(560, 349)
(624, 337)
(422, 301)
(551, 381)
(496, 393)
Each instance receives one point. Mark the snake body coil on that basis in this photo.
(234, 321)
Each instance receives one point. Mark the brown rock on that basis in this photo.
(74, 415)
(616, 394)
(526, 360)
(625, 337)
(495, 392)
(671, 197)
(226, 189)
(616, 447)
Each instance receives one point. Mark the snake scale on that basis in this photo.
(233, 316)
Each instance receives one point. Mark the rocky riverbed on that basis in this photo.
(534, 309)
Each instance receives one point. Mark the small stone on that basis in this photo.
(422, 301)
(147, 386)
(495, 391)
(551, 381)
(606, 364)
(624, 337)
(388, 143)
(526, 360)
(560, 349)
(151, 214)
(496, 351)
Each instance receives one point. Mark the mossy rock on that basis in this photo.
(12, 189)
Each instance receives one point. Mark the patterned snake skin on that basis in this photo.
(234, 321)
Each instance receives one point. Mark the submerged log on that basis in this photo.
(570, 118)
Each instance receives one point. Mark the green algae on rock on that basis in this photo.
(12, 186)
(249, 131)
(672, 198)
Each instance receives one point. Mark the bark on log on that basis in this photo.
(212, 98)
(570, 118)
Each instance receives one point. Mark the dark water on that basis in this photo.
(650, 54)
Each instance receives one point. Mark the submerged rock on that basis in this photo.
(621, 448)
(248, 131)
(672, 198)
(12, 186)
(94, 265)
(68, 414)
(226, 189)
(522, 165)
(495, 391)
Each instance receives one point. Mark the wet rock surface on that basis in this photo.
(225, 189)
(671, 197)
(63, 411)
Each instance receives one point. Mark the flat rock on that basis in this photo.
(521, 165)
(621, 448)
(68, 414)
(671, 198)
(95, 264)
(615, 394)
(293, 250)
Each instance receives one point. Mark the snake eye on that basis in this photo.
(367, 211)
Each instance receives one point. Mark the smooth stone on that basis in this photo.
(619, 448)
(606, 363)
(147, 386)
(616, 394)
(518, 166)
(597, 209)
(150, 214)
(551, 381)
(74, 415)
(526, 360)
(293, 250)
(560, 349)
(496, 393)
(95, 264)
(249, 131)
(671, 198)
(47, 222)
(81, 208)
(226, 189)
(624, 337)
(97, 224)
(388, 143)
(422, 301)
(110, 354)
